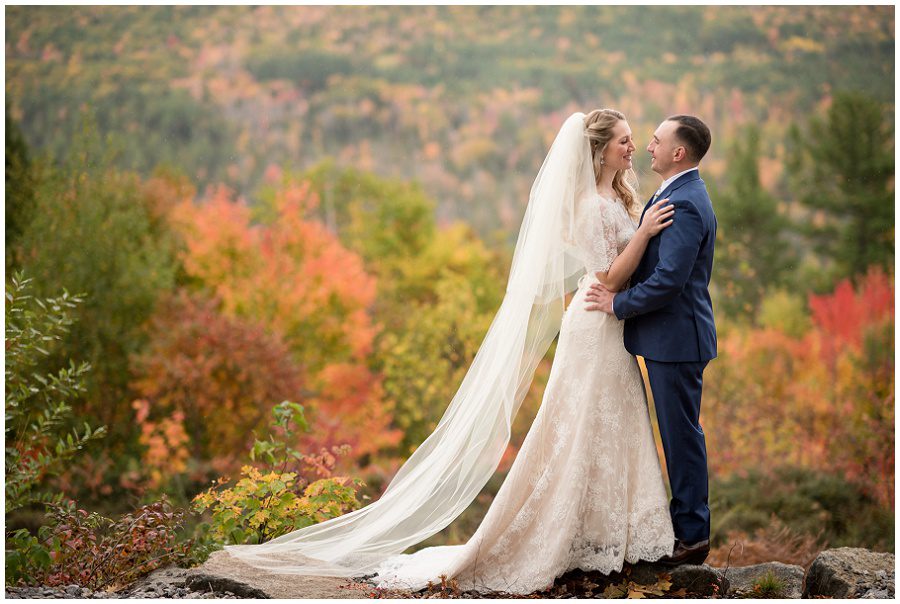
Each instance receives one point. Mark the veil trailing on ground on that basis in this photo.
(447, 471)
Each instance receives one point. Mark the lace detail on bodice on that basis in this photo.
(602, 229)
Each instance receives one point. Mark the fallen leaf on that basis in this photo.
(616, 590)
(634, 594)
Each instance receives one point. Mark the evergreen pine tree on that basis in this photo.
(842, 168)
(753, 251)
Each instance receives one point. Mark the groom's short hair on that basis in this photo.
(693, 134)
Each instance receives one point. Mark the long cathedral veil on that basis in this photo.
(448, 470)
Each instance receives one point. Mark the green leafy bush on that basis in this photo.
(274, 500)
(37, 439)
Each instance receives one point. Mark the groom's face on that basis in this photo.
(664, 149)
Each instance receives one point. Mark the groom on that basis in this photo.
(669, 321)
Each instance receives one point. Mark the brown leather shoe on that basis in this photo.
(695, 553)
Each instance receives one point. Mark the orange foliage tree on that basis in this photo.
(293, 276)
(823, 400)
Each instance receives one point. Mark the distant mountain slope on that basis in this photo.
(465, 99)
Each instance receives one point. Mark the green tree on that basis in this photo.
(381, 219)
(391, 225)
(425, 361)
(753, 253)
(94, 232)
(842, 168)
(19, 190)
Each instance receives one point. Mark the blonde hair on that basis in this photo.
(598, 125)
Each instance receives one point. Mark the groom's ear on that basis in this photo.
(680, 153)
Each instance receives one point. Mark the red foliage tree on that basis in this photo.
(205, 381)
(824, 400)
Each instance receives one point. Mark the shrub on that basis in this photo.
(90, 550)
(773, 542)
(277, 499)
(824, 506)
(37, 409)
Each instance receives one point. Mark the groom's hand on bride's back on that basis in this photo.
(599, 297)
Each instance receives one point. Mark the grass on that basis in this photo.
(768, 586)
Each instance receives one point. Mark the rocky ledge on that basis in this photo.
(839, 573)
(169, 582)
(851, 572)
(783, 581)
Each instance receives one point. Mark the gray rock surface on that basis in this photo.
(851, 572)
(222, 565)
(172, 582)
(697, 579)
(741, 579)
(220, 577)
(62, 592)
(213, 583)
(168, 582)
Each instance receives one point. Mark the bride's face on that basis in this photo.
(620, 149)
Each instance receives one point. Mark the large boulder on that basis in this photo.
(702, 580)
(743, 580)
(851, 572)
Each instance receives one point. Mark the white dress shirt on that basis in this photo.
(669, 181)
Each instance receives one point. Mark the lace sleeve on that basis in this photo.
(596, 234)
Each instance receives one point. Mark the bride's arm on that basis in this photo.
(657, 217)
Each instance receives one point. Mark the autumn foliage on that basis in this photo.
(88, 549)
(294, 278)
(823, 400)
(292, 274)
(205, 381)
(289, 491)
(385, 167)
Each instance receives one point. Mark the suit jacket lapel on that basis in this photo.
(681, 180)
(678, 182)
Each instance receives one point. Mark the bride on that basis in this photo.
(586, 489)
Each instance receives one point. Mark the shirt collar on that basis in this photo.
(672, 179)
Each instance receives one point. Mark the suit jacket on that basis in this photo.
(668, 311)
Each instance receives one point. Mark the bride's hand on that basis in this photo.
(659, 216)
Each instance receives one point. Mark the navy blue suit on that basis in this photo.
(669, 321)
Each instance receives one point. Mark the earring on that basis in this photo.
(602, 162)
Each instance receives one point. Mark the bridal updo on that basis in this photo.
(598, 125)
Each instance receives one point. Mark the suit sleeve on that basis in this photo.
(678, 248)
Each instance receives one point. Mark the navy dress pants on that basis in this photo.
(676, 394)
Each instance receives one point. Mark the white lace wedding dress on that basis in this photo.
(586, 489)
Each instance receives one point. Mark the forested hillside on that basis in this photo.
(462, 99)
